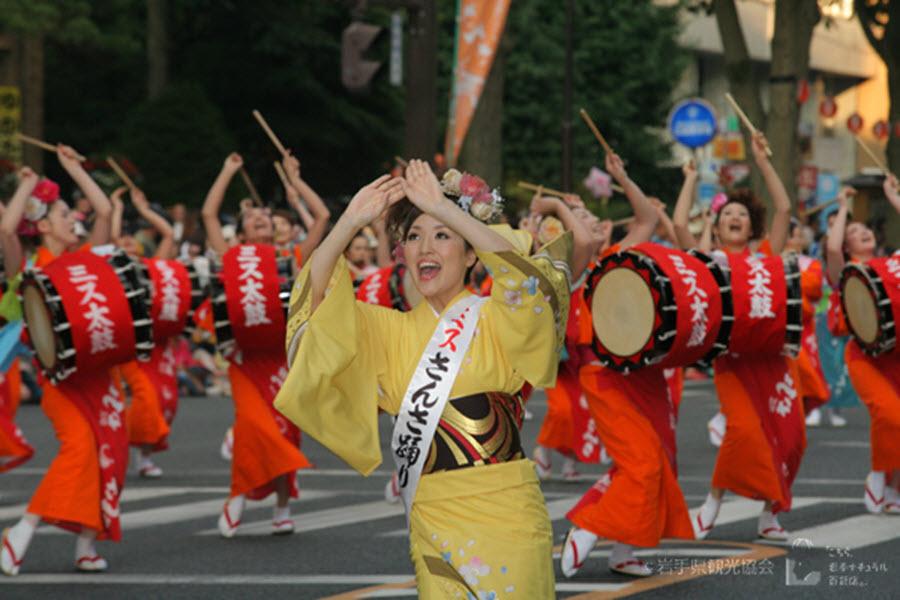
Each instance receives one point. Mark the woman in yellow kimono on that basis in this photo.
(478, 523)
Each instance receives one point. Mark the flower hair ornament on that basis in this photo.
(45, 193)
(718, 201)
(473, 195)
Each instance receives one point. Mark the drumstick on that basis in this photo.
(624, 221)
(819, 208)
(878, 162)
(551, 192)
(251, 188)
(42, 144)
(597, 134)
(121, 173)
(401, 162)
(281, 174)
(744, 118)
(269, 132)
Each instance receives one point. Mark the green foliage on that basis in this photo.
(178, 141)
(626, 65)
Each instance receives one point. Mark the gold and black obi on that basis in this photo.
(477, 430)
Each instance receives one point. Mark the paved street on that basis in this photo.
(351, 544)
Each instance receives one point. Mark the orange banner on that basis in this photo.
(479, 27)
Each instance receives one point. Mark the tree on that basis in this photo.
(794, 24)
(157, 48)
(627, 62)
(880, 21)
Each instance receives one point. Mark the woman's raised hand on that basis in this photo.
(422, 187)
(370, 202)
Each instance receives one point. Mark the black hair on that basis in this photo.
(757, 211)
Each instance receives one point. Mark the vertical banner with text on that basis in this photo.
(479, 25)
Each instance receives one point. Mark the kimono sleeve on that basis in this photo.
(529, 308)
(337, 356)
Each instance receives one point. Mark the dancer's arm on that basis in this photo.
(682, 214)
(213, 203)
(167, 235)
(835, 248)
(320, 213)
(645, 217)
(781, 202)
(115, 227)
(367, 205)
(9, 224)
(102, 207)
(582, 246)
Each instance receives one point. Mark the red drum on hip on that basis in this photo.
(86, 313)
(870, 297)
(175, 292)
(767, 304)
(653, 305)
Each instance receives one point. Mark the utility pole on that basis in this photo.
(420, 135)
(567, 184)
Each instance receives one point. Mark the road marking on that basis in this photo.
(173, 579)
(132, 494)
(740, 509)
(324, 519)
(167, 515)
(667, 552)
(844, 444)
(809, 481)
(853, 532)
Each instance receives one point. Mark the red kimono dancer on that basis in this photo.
(14, 448)
(568, 427)
(811, 384)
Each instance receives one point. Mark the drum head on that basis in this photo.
(862, 313)
(410, 291)
(623, 311)
(40, 326)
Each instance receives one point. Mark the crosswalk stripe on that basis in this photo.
(740, 509)
(852, 532)
(187, 511)
(324, 519)
(133, 494)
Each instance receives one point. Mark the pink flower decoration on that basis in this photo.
(598, 183)
(47, 191)
(718, 201)
(472, 185)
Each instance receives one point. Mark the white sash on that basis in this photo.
(428, 392)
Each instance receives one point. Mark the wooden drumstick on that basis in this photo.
(120, 172)
(590, 123)
(281, 174)
(878, 162)
(269, 132)
(42, 144)
(251, 188)
(745, 119)
(624, 221)
(819, 208)
(400, 161)
(551, 192)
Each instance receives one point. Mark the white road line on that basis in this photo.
(802, 481)
(212, 579)
(324, 519)
(740, 509)
(844, 444)
(129, 494)
(853, 532)
(672, 552)
(166, 515)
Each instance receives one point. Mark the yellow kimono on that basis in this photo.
(476, 532)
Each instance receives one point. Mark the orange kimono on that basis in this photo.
(559, 431)
(14, 448)
(811, 383)
(266, 445)
(876, 380)
(145, 419)
(639, 501)
(765, 433)
(70, 495)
